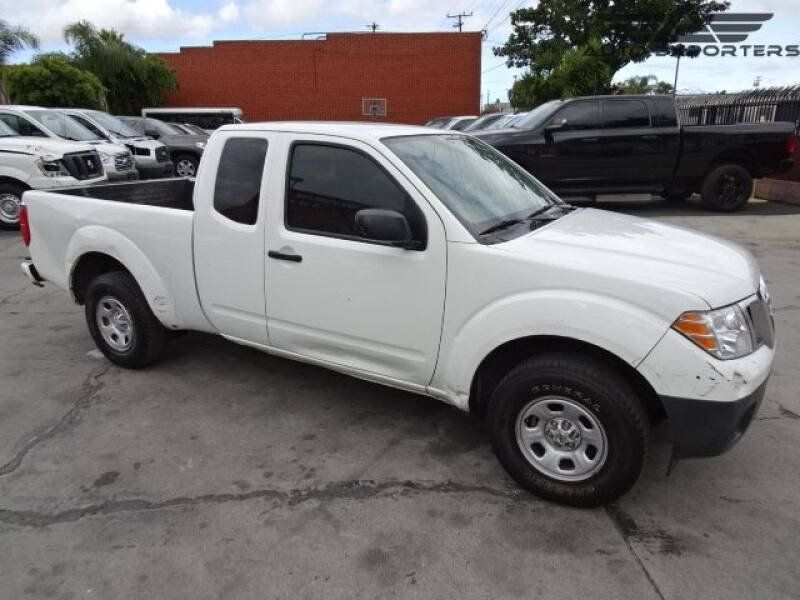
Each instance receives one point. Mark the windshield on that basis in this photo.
(112, 124)
(6, 131)
(479, 185)
(538, 115)
(164, 128)
(63, 126)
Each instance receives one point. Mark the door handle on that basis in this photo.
(283, 256)
(590, 140)
(650, 138)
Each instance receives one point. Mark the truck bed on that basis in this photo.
(166, 193)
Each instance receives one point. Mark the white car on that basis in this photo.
(454, 123)
(429, 262)
(117, 160)
(38, 163)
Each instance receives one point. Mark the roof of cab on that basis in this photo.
(352, 129)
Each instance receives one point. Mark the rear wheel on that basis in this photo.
(10, 200)
(727, 188)
(569, 429)
(121, 323)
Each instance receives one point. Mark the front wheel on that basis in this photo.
(10, 200)
(186, 165)
(121, 323)
(569, 429)
(727, 188)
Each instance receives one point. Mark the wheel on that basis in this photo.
(727, 188)
(569, 429)
(121, 323)
(10, 199)
(186, 165)
(677, 197)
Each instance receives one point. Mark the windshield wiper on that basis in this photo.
(541, 210)
(504, 224)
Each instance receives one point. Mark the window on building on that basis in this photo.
(239, 174)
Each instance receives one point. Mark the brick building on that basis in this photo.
(398, 77)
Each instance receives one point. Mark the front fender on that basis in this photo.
(104, 240)
(626, 330)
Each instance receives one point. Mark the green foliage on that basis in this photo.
(12, 39)
(602, 32)
(133, 79)
(643, 84)
(50, 80)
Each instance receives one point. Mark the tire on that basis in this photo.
(10, 195)
(677, 197)
(186, 165)
(727, 188)
(600, 405)
(115, 298)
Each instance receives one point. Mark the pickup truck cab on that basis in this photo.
(427, 261)
(596, 145)
(37, 121)
(37, 163)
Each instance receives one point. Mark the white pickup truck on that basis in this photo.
(429, 262)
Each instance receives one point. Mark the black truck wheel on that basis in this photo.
(727, 188)
(10, 199)
(569, 429)
(121, 323)
(186, 165)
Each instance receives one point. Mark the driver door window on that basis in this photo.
(578, 116)
(21, 126)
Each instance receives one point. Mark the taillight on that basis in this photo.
(791, 144)
(24, 225)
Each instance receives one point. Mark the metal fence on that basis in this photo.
(756, 106)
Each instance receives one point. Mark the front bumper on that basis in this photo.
(130, 175)
(156, 170)
(707, 427)
(29, 269)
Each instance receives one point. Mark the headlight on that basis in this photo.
(106, 159)
(200, 145)
(53, 168)
(723, 332)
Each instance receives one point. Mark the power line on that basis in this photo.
(459, 19)
(495, 13)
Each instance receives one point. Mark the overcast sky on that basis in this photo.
(165, 25)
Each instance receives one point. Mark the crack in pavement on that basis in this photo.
(89, 389)
(627, 528)
(12, 295)
(356, 489)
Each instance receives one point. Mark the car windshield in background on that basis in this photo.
(479, 185)
(165, 128)
(112, 124)
(63, 126)
(537, 115)
(6, 131)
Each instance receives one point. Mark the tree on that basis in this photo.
(643, 84)
(50, 80)
(12, 39)
(613, 32)
(133, 79)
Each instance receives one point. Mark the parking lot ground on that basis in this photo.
(222, 472)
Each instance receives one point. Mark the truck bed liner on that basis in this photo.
(167, 193)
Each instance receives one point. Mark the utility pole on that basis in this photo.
(459, 19)
(374, 26)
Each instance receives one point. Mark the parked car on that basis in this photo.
(634, 144)
(40, 162)
(189, 128)
(185, 150)
(208, 119)
(429, 262)
(483, 122)
(37, 121)
(455, 123)
(151, 156)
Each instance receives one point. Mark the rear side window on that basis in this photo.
(618, 114)
(328, 185)
(239, 174)
(577, 116)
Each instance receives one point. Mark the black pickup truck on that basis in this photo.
(634, 144)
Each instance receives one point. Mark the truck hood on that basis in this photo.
(645, 252)
(40, 146)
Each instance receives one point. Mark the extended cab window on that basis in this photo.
(21, 126)
(238, 186)
(328, 185)
(618, 114)
(577, 116)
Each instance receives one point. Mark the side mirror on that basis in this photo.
(387, 227)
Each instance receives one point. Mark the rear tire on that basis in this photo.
(10, 200)
(727, 188)
(534, 415)
(121, 323)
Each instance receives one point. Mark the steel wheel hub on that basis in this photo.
(115, 323)
(185, 168)
(561, 438)
(9, 208)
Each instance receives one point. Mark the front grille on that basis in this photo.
(123, 162)
(161, 154)
(83, 165)
(138, 151)
(761, 319)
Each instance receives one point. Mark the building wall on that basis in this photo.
(421, 75)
